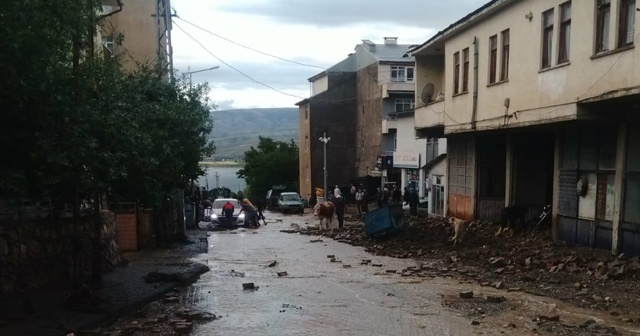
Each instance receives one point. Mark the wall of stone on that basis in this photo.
(36, 254)
(368, 120)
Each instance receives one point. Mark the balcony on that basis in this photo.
(397, 87)
(429, 120)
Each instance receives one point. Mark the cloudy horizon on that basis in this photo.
(319, 34)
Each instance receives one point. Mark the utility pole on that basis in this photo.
(324, 141)
(218, 182)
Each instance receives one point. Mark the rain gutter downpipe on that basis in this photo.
(120, 4)
(474, 112)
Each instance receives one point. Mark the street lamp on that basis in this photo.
(325, 140)
(203, 70)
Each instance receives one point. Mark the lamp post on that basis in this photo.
(324, 139)
(203, 70)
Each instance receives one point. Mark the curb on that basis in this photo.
(187, 278)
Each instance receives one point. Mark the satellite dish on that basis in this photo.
(426, 95)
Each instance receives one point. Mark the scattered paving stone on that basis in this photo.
(376, 265)
(475, 323)
(281, 274)
(466, 294)
(549, 317)
(316, 241)
(498, 285)
(514, 289)
(496, 299)
(586, 323)
(331, 256)
(248, 285)
(346, 266)
(171, 299)
(391, 271)
(273, 264)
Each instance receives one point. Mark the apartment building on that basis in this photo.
(539, 103)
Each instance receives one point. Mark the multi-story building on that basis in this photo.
(329, 112)
(367, 102)
(145, 28)
(540, 107)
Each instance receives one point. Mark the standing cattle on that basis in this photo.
(325, 211)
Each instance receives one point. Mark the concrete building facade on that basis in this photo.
(539, 105)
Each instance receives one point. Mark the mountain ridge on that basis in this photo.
(237, 130)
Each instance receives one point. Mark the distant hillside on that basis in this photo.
(235, 131)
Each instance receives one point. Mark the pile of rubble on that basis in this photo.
(525, 261)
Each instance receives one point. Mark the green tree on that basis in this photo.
(270, 163)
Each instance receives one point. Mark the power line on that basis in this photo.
(250, 48)
(236, 69)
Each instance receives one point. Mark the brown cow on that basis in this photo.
(325, 211)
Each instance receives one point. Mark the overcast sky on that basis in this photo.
(318, 33)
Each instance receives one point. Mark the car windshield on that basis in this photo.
(218, 204)
(292, 197)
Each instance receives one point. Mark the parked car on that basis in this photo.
(290, 202)
(214, 217)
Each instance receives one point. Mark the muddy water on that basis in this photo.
(319, 297)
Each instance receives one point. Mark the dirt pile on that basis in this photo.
(525, 261)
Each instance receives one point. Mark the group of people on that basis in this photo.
(383, 197)
(253, 213)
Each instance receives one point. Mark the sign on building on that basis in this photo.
(406, 160)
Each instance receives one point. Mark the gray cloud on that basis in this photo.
(277, 74)
(226, 104)
(434, 14)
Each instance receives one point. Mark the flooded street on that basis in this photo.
(316, 296)
(299, 290)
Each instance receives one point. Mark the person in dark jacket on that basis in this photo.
(260, 208)
(413, 203)
(340, 205)
(397, 195)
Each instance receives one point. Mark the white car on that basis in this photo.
(215, 217)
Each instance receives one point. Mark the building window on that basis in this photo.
(306, 143)
(465, 70)
(108, 47)
(456, 73)
(401, 74)
(627, 19)
(504, 61)
(493, 58)
(565, 33)
(547, 38)
(395, 141)
(432, 149)
(307, 173)
(404, 104)
(603, 11)
(306, 113)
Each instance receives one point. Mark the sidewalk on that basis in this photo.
(120, 292)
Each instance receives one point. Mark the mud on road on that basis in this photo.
(410, 285)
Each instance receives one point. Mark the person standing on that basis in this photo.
(353, 193)
(359, 198)
(227, 210)
(364, 204)
(397, 195)
(260, 207)
(340, 205)
(336, 191)
(413, 203)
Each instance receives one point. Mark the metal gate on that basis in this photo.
(438, 195)
(127, 225)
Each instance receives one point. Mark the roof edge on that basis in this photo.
(477, 14)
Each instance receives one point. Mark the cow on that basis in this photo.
(325, 210)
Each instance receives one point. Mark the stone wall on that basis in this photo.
(34, 255)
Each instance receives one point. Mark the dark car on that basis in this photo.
(290, 202)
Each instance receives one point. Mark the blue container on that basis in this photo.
(384, 220)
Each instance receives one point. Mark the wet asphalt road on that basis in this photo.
(317, 297)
